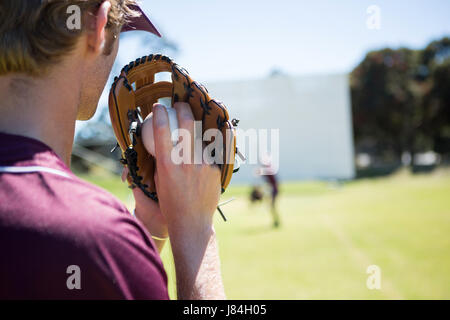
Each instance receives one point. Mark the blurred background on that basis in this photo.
(360, 93)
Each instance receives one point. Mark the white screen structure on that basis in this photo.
(313, 115)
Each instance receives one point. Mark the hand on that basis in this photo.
(188, 193)
(148, 212)
(188, 197)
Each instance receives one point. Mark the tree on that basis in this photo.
(400, 100)
(436, 100)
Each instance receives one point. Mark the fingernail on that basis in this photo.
(160, 116)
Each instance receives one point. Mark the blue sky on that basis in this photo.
(246, 39)
(235, 39)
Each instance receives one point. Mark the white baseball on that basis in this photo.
(147, 130)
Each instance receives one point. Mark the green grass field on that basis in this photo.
(330, 234)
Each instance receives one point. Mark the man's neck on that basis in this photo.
(41, 108)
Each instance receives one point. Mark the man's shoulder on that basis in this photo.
(66, 207)
(89, 194)
(79, 224)
(121, 244)
(98, 213)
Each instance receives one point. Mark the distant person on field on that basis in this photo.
(268, 173)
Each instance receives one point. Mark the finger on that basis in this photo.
(124, 174)
(155, 176)
(141, 198)
(161, 134)
(185, 116)
(186, 121)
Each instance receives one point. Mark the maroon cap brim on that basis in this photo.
(141, 23)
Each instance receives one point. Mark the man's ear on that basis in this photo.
(96, 36)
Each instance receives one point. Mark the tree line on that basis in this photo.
(401, 101)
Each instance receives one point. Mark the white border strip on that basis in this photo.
(32, 169)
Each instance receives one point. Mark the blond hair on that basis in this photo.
(34, 33)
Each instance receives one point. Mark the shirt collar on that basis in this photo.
(16, 150)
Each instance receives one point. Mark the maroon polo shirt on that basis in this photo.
(63, 238)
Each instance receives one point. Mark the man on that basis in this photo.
(61, 237)
(271, 179)
(269, 174)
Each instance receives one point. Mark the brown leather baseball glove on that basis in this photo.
(131, 99)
